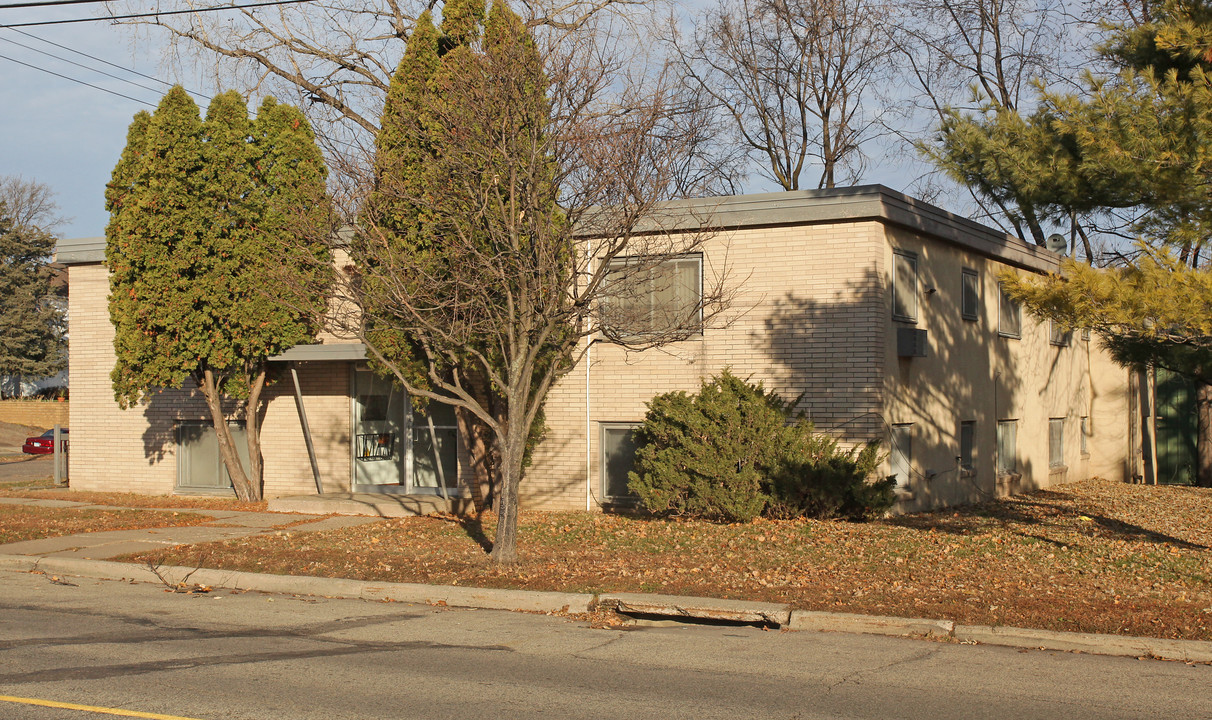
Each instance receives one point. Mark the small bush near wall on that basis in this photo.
(729, 454)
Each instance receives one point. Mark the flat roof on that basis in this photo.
(794, 207)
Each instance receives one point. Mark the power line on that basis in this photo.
(149, 14)
(80, 65)
(43, 3)
(100, 60)
(65, 77)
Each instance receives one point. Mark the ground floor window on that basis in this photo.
(967, 445)
(900, 456)
(200, 466)
(618, 448)
(1056, 442)
(1007, 447)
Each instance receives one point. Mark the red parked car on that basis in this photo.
(42, 444)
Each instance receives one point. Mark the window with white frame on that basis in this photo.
(970, 295)
(1007, 447)
(904, 286)
(1009, 316)
(646, 298)
(900, 457)
(618, 448)
(1056, 442)
(967, 447)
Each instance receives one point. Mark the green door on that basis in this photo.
(1177, 427)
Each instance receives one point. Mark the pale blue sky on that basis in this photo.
(62, 134)
(69, 136)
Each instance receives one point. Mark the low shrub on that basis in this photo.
(733, 452)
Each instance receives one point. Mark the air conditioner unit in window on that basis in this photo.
(910, 342)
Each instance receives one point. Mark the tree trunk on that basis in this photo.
(227, 446)
(252, 426)
(481, 447)
(1203, 447)
(505, 544)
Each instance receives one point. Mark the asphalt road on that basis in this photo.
(30, 467)
(136, 647)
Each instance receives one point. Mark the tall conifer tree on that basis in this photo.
(202, 215)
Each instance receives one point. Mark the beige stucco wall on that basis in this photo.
(973, 373)
(804, 321)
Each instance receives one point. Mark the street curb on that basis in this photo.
(1122, 645)
(448, 595)
(672, 606)
(869, 624)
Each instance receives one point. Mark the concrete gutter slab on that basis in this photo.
(869, 624)
(696, 607)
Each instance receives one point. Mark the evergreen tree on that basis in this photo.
(1137, 140)
(202, 215)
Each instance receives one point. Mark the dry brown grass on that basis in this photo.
(28, 522)
(42, 491)
(1092, 556)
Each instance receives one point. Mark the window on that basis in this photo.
(967, 445)
(970, 299)
(435, 456)
(617, 459)
(1085, 334)
(653, 299)
(1007, 450)
(1010, 316)
(1085, 436)
(901, 456)
(1057, 335)
(904, 287)
(1056, 442)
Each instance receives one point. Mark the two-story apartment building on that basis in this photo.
(881, 313)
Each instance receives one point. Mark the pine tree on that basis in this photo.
(203, 214)
(1137, 140)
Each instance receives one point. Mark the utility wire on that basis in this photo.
(100, 60)
(65, 77)
(80, 65)
(148, 14)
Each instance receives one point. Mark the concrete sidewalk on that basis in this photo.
(85, 556)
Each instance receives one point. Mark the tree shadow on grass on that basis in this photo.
(473, 526)
(1041, 510)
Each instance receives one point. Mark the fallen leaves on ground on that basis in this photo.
(1093, 556)
(42, 492)
(30, 522)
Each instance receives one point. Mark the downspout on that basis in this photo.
(588, 428)
(311, 448)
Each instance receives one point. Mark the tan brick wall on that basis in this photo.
(34, 413)
(134, 450)
(804, 322)
(973, 373)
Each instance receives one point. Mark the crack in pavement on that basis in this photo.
(329, 648)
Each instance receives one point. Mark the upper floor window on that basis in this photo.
(653, 299)
(904, 286)
(1057, 335)
(1009, 316)
(970, 296)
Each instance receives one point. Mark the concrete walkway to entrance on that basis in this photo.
(227, 524)
(374, 504)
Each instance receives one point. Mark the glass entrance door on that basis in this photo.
(397, 450)
(378, 436)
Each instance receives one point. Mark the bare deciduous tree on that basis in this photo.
(794, 77)
(552, 211)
